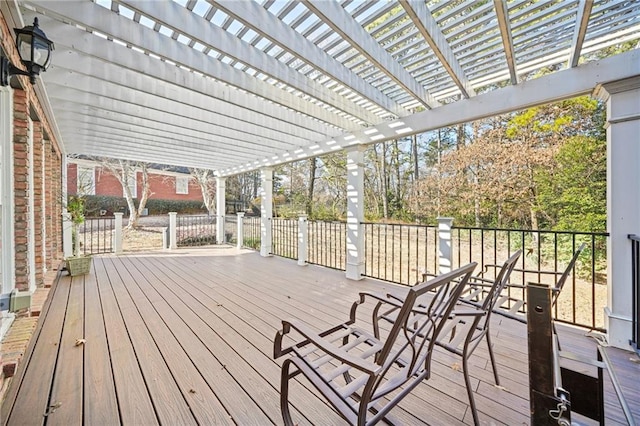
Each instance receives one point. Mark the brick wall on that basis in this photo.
(46, 166)
(38, 179)
(107, 183)
(164, 188)
(21, 186)
(72, 178)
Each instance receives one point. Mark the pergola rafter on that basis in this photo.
(275, 81)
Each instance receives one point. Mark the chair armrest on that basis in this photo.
(314, 338)
(468, 313)
(389, 298)
(478, 280)
(519, 286)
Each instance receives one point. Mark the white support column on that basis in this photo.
(444, 244)
(221, 209)
(623, 202)
(303, 238)
(240, 232)
(266, 208)
(118, 233)
(173, 219)
(355, 212)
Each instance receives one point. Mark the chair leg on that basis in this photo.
(467, 381)
(284, 393)
(493, 359)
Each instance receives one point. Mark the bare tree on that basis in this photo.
(126, 172)
(206, 180)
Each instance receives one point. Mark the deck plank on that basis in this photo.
(66, 400)
(230, 322)
(202, 401)
(168, 399)
(134, 403)
(12, 392)
(100, 400)
(157, 323)
(33, 401)
(222, 385)
(266, 317)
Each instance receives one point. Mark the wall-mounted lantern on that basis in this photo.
(34, 49)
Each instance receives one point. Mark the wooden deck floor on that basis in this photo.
(187, 337)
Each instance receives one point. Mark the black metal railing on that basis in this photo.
(194, 230)
(284, 238)
(327, 244)
(635, 289)
(399, 253)
(548, 253)
(251, 230)
(402, 253)
(95, 235)
(231, 229)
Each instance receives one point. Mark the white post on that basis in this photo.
(266, 208)
(303, 237)
(220, 209)
(355, 212)
(118, 233)
(67, 235)
(240, 232)
(623, 202)
(173, 218)
(444, 244)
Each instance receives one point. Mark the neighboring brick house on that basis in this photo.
(98, 180)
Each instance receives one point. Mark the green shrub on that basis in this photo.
(94, 204)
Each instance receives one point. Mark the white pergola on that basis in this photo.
(240, 85)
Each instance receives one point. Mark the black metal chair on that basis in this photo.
(362, 374)
(472, 319)
(515, 307)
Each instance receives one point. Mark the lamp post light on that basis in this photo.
(34, 49)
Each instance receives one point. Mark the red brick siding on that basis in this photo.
(38, 177)
(72, 178)
(46, 170)
(21, 186)
(107, 183)
(164, 188)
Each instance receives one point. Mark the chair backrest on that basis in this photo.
(501, 281)
(563, 278)
(426, 308)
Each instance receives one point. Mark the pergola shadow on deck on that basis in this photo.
(187, 338)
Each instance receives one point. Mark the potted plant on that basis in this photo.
(77, 264)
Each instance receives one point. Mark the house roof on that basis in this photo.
(236, 85)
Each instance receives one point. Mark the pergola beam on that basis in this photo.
(425, 23)
(554, 87)
(85, 89)
(225, 112)
(146, 133)
(502, 13)
(256, 17)
(580, 31)
(181, 20)
(104, 21)
(341, 22)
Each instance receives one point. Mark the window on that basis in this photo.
(182, 185)
(86, 181)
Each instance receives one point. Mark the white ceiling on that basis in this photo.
(237, 84)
